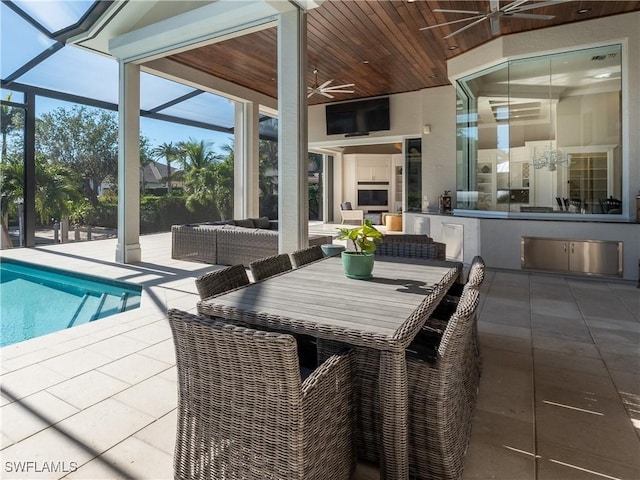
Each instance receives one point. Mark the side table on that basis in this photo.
(393, 222)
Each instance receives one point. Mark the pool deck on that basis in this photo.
(559, 397)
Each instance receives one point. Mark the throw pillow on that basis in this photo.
(246, 222)
(262, 222)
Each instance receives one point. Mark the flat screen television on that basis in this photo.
(358, 117)
(373, 197)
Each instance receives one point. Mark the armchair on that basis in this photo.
(247, 410)
(350, 215)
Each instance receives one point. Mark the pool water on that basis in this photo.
(36, 300)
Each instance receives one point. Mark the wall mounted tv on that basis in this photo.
(373, 197)
(358, 117)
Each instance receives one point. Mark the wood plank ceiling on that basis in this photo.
(378, 45)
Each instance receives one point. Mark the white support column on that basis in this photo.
(293, 192)
(128, 248)
(246, 161)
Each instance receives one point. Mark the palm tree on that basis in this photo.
(8, 117)
(145, 159)
(199, 164)
(11, 191)
(57, 186)
(169, 152)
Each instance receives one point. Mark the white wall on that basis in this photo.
(405, 112)
(439, 146)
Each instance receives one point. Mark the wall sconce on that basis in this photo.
(426, 129)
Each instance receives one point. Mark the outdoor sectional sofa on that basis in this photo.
(230, 242)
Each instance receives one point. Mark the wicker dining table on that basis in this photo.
(383, 313)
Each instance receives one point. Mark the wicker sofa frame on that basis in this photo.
(227, 244)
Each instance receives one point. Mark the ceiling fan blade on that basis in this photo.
(452, 22)
(310, 94)
(494, 5)
(495, 25)
(339, 86)
(539, 5)
(444, 10)
(326, 94)
(530, 16)
(513, 5)
(325, 84)
(338, 91)
(483, 17)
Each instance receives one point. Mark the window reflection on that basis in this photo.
(542, 135)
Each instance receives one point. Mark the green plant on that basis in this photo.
(364, 237)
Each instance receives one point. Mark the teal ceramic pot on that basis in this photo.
(358, 265)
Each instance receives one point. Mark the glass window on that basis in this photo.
(542, 134)
(413, 176)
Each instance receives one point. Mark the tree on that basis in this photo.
(146, 157)
(198, 163)
(224, 183)
(83, 139)
(11, 188)
(268, 178)
(169, 152)
(57, 187)
(9, 117)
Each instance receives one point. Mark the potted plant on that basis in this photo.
(359, 263)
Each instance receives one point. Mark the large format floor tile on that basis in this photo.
(559, 398)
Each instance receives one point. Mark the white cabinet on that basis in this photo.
(373, 173)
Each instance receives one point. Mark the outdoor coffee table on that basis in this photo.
(379, 313)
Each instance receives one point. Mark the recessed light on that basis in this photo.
(365, 62)
(453, 47)
(584, 10)
(602, 75)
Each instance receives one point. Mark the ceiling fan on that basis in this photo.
(325, 89)
(494, 14)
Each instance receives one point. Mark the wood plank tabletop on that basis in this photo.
(319, 300)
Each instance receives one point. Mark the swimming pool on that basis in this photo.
(36, 300)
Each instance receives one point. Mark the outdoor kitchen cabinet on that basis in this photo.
(586, 257)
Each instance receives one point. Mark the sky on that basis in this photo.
(76, 71)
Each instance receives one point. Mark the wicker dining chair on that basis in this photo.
(269, 266)
(244, 410)
(366, 370)
(219, 281)
(411, 246)
(437, 323)
(443, 390)
(306, 255)
(448, 304)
